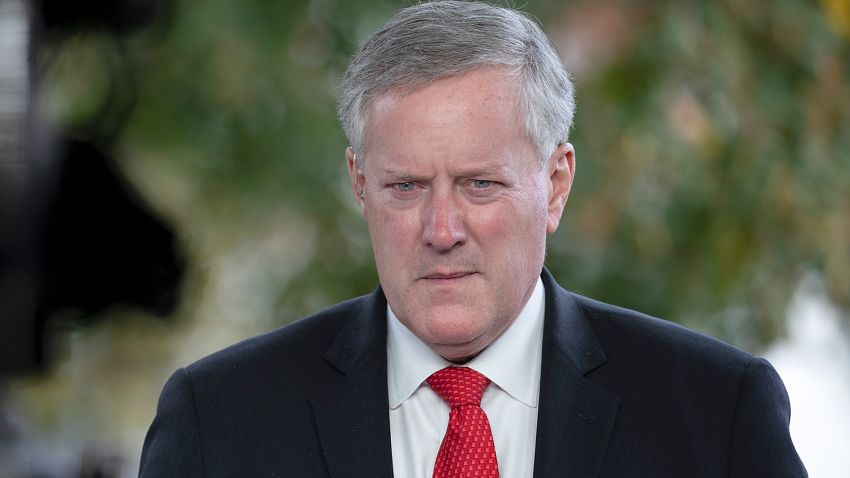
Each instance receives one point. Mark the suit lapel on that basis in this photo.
(576, 415)
(352, 411)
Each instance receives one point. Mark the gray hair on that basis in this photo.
(437, 40)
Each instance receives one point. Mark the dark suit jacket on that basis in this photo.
(621, 395)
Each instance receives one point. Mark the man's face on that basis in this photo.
(458, 207)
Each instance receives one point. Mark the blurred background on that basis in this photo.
(172, 180)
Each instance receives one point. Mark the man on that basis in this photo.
(469, 353)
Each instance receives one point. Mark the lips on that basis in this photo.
(448, 275)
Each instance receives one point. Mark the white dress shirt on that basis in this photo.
(419, 417)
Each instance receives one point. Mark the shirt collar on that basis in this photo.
(512, 361)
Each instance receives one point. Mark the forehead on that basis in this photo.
(489, 84)
(472, 114)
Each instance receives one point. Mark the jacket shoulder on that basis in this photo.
(724, 411)
(627, 332)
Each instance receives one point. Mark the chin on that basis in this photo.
(452, 331)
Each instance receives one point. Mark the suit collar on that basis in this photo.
(364, 333)
(567, 330)
(576, 415)
(351, 410)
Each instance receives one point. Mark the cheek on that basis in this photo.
(527, 213)
(522, 228)
(392, 231)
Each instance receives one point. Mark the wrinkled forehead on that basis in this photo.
(455, 123)
(490, 91)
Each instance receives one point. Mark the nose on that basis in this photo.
(444, 226)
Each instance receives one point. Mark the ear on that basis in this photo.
(358, 180)
(561, 168)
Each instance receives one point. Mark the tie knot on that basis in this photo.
(458, 385)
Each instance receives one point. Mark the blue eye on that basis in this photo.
(404, 187)
(481, 183)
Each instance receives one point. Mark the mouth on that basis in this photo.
(447, 277)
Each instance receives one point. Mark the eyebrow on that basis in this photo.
(397, 174)
(483, 171)
(469, 173)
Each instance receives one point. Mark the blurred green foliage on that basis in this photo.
(712, 141)
(715, 139)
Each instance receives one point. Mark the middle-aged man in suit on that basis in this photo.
(469, 359)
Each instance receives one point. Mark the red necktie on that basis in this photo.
(467, 450)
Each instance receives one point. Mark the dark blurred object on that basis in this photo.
(102, 244)
(117, 16)
(74, 234)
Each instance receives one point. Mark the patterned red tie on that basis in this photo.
(467, 450)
